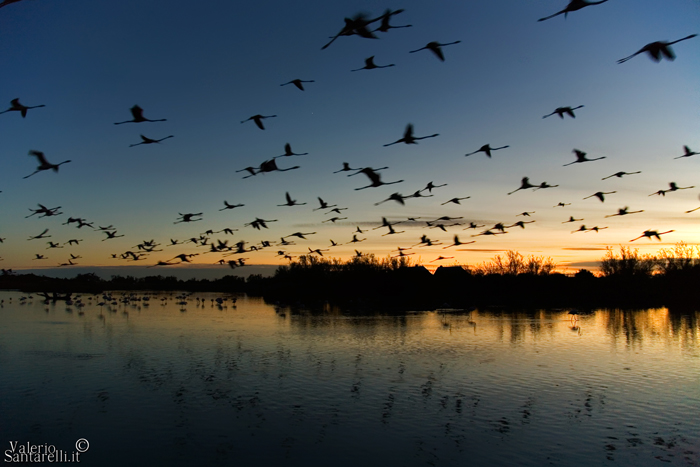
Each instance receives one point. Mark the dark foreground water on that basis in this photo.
(161, 383)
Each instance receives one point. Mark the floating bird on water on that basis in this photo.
(258, 120)
(43, 163)
(620, 174)
(564, 110)
(687, 153)
(435, 48)
(369, 65)
(137, 113)
(600, 195)
(486, 149)
(297, 82)
(651, 233)
(408, 137)
(147, 140)
(15, 106)
(573, 5)
(657, 50)
(581, 157)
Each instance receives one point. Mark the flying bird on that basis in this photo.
(573, 5)
(581, 157)
(600, 195)
(687, 153)
(673, 187)
(435, 48)
(297, 82)
(258, 120)
(651, 233)
(386, 17)
(524, 184)
(369, 65)
(624, 211)
(357, 25)
(230, 206)
(43, 163)
(454, 200)
(137, 113)
(147, 140)
(486, 149)
(288, 152)
(408, 137)
(374, 178)
(346, 168)
(657, 50)
(564, 110)
(290, 201)
(620, 174)
(15, 106)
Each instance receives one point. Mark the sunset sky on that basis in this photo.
(207, 66)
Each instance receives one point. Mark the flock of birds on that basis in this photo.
(365, 27)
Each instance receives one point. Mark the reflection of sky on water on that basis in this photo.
(253, 384)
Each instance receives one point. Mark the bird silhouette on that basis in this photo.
(520, 224)
(398, 197)
(290, 201)
(147, 140)
(299, 235)
(334, 219)
(564, 110)
(43, 163)
(356, 240)
(687, 153)
(374, 178)
(581, 157)
(230, 206)
(357, 25)
(258, 120)
(346, 168)
(620, 174)
(189, 217)
(5, 3)
(369, 65)
(573, 5)
(288, 152)
(488, 232)
(15, 105)
(435, 48)
(600, 195)
(408, 137)
(672, 187)
(651, 233)
(524, 184)
(454, 200)
(486, 149)
(137, 113)
(544, 185)
(430, 186)
(324, 205)
(657, 50)
(386, 17)
(624, 211)
(44, 211)
(297, 82)
(560, 204)
(525, 213)
(41, 235)
(271, 166)
(392, 231)
(571, 219)
(457, 242)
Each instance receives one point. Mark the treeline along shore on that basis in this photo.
(626, 279)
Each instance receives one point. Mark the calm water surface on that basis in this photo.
(182, 384)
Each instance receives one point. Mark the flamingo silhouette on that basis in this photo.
(561, 204)
(288, 152)
(5, 3)
(651, 233)
(346, 168)
(657, 50)
(386, 17)
(43, 163)
(430, 186)
(374, 178)
(687, 153)
(230, 206)
(581, 157)
(525, 214)
(571, 219)
(357, 25)
(544, 185)
(297, 82)
(520, 224)
(324, 205)
(454, 200)
(369, 65)
(147, 140)
(435, 48)
(673, 187)
(600, 195)
(15, 106)
(290, 201)
(624, 211)
(334, 219)
(573, 5)
(258, 120)
(486, 149)
(524, 184)
(137, 113)
(457, 242)
(271, 166)
(564, 110)
(392, 231)
(41, 235)
(408, 137)
(620, 174)
(188, 217)
(398, 197)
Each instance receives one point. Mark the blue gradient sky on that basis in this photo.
(205, 67)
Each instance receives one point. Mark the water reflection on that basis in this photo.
(251, 383)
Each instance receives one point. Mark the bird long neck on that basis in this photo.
(685, 38)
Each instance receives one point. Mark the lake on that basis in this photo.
(183, 381)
